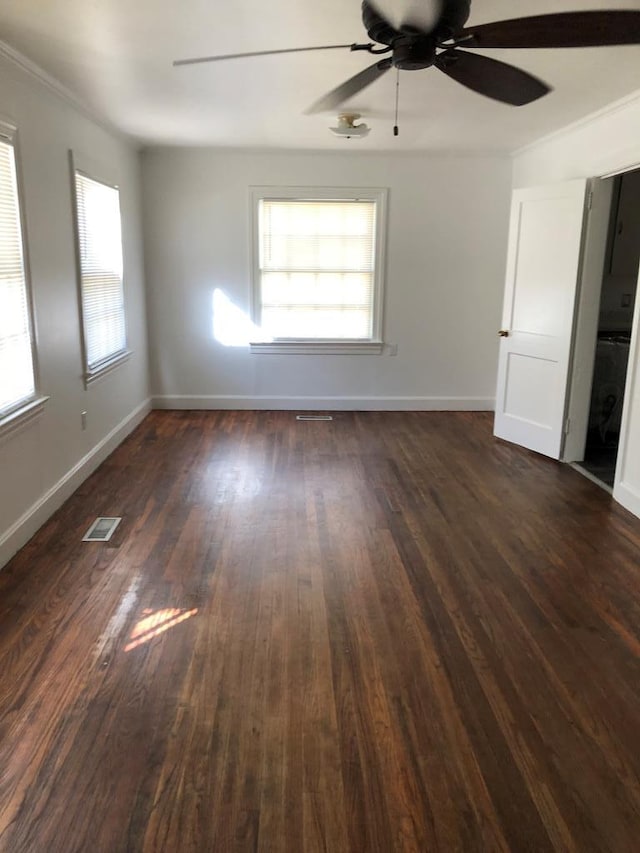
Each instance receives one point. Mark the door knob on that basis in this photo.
(503, 333)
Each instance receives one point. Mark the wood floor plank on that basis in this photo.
(386, 632)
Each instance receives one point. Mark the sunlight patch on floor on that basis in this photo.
(156, 623)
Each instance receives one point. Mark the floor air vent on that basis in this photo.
(101, 530)
(314, 418)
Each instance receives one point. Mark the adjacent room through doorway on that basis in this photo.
(617, 299)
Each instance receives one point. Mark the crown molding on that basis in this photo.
(603, 112)
(60, 90)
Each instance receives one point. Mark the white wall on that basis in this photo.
(42, 462)
(607, 142)
(447, 230)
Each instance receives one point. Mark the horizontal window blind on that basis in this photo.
(317, 268)
(17, 383)
(100, 249)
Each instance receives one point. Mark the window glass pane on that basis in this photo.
(17, 383)
(316, 323)
(100, 248)
(317, 268)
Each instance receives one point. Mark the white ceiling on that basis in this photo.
(116, 56)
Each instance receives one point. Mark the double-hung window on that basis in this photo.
(318, 269)
(99, 246)
(17, 368)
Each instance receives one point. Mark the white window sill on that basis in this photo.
(318, 347)
(21, 417)
(106, 367)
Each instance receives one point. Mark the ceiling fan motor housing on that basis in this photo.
(453, 18)
(412, 54)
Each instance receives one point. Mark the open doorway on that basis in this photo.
(617, 299)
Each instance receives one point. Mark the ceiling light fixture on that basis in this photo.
(347, 128)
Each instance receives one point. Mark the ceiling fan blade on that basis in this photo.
(564, 29)
(351, 86)
(195, 60)
(492, 78)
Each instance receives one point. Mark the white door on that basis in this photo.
(543, 267)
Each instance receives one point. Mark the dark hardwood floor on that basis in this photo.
(389, 632)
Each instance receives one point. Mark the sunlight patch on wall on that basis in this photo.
(231, 326)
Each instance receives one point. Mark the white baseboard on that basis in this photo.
(628, 497)
(334, 404)
(30, 522)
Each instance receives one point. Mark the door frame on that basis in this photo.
(623, 492)
(586, 316)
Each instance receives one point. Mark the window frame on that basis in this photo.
(29, 408)
(93, 172)
(314, 346)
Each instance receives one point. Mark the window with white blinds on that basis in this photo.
(99, 234)
(17, 380)
(318, 276)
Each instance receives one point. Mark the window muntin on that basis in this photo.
(17, 369)
(99, 236)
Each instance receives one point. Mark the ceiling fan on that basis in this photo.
(437, 36)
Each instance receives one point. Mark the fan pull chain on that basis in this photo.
(395, 127)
